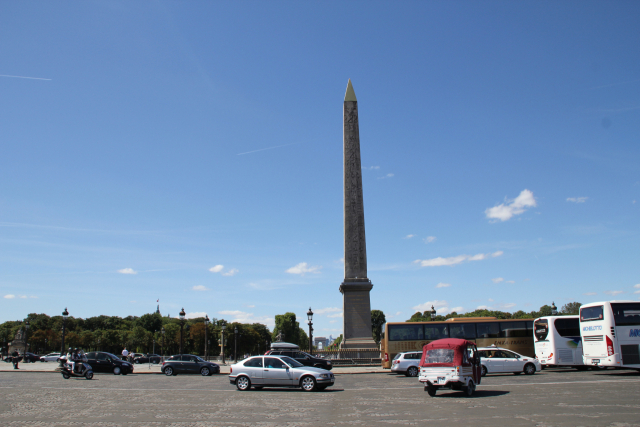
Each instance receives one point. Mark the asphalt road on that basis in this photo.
(548, 398)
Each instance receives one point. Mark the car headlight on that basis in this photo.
(324, 375)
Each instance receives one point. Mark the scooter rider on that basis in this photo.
(71, 359)
(81, 358)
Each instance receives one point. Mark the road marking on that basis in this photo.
(564, 382)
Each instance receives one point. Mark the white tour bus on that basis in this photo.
(611, 333)
(557, 341)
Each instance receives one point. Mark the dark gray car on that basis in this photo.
(188, 364)
(278, 371)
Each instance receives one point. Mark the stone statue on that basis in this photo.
(280, 337)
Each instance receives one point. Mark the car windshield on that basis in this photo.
(398, 356)
(439, 355)
(200, 359)
(289, 361)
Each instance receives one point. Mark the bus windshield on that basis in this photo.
(588, 314)
(626, 314)
(541, 329)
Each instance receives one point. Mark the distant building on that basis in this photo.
(320, 342)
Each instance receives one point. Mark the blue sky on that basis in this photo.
(192, 152)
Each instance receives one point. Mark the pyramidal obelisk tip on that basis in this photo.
(350, 95)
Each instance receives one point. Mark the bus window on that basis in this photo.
(405, 332)
(465, 331)
(513, 329)
(488, 330)
(542, 329)
(435, 332)
(591, 313)
(567, 327)
(626, 314)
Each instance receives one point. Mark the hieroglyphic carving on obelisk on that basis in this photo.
(356, 286)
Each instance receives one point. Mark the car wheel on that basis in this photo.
(117, 370)
(205, 372)
(484, 371)
(431, 391)
(308, 383)
(137, 362)
(243, 383)
(529, 369)
(168, 371)
(412, 372)
(470, 389)
(89, 375)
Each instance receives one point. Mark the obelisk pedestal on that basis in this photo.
(356, 286)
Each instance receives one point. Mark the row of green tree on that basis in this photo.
(545, 310)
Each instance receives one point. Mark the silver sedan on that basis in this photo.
(278, 371)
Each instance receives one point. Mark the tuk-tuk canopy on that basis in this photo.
(445, 352)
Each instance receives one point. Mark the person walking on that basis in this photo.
(125, 354)
(15, 358)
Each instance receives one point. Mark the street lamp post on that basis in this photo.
(162, 330)
(26, 331)
(98, 344)
(154, 343)
(182, 314)
(554, 309)
(45, 346)
(223, 328)
(433, 314)
(65, 314)
(310, 317)
(235, 339)
(206, 337)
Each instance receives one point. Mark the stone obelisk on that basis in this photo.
(356, 286)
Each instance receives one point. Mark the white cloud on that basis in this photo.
(490, 300)
(127, 271)
(590, 293)
(457, 309)
(230, 272)
(510, 281)
(577, 199)
(251, 306)
(244, 317)
(439, 305)
(327, 310)
(303, 268)
(409, 236)
(216, 268)
(9, 296)
(497, 280)
(507, 305)
(371, 167)
(429, 239)
(336, 315)
(637, 286)
(22, 296)
(195, 315)
(482, 307)
(389, 175)
(613, 293)
(637, 292)
(505, 211)
(439, 261)
(443, 285)
(200, 288)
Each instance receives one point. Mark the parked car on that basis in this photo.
(30, 358)
(188, 364)
(301, 357)
(496, 359)
(51, 357)
(101, 361)
(148, 358)
(278, 371)
(407, 363)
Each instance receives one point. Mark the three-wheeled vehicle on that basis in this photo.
(452, 364)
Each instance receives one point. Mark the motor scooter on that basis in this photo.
(82, 370)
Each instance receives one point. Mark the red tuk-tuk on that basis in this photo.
(450, 363)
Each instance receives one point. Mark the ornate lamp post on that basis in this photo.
(154, 344)
(98, 344)
(182, 314)
(26, 331)
(554, 309)
(65, 314)
(45, 346)
(235, 339)
(433, 314)
(223, 328)
(162, 330)
(206, 337)
(310, 317)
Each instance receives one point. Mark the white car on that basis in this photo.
(51, 357)
(407, 363)
(496, 359)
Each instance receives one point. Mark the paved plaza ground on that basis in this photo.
(548, 398)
